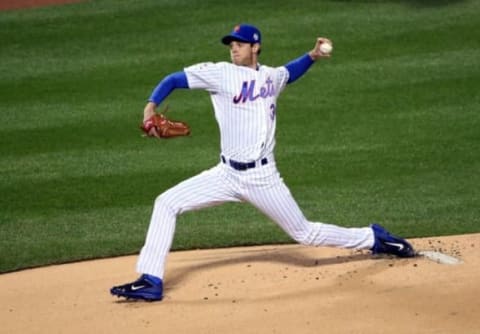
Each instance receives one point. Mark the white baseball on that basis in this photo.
(326, 48)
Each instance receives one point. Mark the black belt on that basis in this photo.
(243, 165)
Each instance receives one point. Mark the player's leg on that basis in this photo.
(279, 205)
(204, 190)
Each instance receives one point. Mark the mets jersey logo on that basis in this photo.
(248, 91)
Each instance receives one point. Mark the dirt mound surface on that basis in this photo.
(265, 289)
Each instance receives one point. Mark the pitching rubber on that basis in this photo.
(440, 257)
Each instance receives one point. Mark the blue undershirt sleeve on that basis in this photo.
(167, 85)
(298, 67)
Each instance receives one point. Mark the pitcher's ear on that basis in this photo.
(256, 48)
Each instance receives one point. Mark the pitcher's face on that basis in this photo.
(244, 54)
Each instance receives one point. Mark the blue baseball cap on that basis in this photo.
(243, 33)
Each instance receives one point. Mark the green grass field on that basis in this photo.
(386, 130)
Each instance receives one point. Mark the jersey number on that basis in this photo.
(273, 111)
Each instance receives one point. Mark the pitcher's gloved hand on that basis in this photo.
(161, 127)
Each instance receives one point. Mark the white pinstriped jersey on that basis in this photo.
(244, 102)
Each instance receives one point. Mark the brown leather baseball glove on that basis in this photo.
(161, 127)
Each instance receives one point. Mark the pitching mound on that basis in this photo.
(268, 289)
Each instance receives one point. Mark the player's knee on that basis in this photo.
(303, 236)
(165, 204)
(302, 239)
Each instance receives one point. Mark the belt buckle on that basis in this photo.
(240, 165)
(243, 166)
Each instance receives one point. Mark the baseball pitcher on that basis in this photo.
(244, 96)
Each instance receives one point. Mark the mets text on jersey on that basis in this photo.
(248, 89)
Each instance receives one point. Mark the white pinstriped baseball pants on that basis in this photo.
(263, 188)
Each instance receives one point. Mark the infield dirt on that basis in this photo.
(264, 289)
